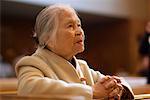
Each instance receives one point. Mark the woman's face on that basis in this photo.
(69, 39)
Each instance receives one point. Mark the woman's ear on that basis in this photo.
(49, 42)
(46, 39)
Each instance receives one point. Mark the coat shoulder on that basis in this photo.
(29, 61)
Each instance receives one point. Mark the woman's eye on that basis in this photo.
(79, 25)
(70, 25)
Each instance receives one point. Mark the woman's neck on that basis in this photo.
(68, 58)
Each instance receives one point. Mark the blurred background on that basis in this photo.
(113, 29)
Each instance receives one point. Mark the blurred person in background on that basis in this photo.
(6, 69)
(54, 70)
(144, 51)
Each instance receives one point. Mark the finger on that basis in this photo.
(110, 84)
(114, 92)
(118, 79)
(115, 86)
(104, 79)
(119, 97)
(120, 89)
(111, 89)
(116, 97)
(119, 86)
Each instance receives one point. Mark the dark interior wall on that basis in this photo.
(16, 37)
(17, 22)
(111, 44)
(106, 44)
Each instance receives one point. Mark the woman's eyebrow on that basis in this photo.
(72, 21)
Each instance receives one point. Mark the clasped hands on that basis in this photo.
(108, 87)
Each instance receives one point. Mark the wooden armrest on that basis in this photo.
(142, 96)
(8, 84)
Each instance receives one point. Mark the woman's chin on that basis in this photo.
(80, 50)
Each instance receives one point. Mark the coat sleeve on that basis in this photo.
(33, 82)
(96, 75)
(127, 92)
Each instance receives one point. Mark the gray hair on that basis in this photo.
(47, 23)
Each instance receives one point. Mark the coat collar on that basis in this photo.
(63, 68)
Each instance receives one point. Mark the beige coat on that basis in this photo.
(45, 73)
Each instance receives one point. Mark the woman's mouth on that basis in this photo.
(80, 41)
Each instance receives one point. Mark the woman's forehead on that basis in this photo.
(68, 15)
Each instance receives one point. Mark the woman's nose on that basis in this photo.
(79, 32)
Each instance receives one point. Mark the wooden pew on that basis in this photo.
(142, 89)
(54, 97)
(8, 85)
(8, 91)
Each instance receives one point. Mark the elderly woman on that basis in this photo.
(54, 69)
